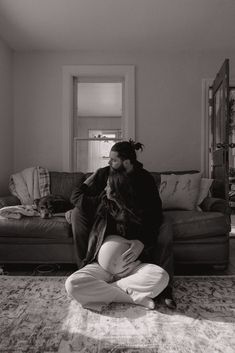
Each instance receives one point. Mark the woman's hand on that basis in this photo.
(135, 249)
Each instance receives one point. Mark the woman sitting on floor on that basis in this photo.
(117, 267)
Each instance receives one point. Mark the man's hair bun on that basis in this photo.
(136, 145)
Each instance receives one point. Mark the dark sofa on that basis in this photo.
(199, 237)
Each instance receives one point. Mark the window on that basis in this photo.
(98, 110)
(97, 105)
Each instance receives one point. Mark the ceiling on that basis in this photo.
(122, 25)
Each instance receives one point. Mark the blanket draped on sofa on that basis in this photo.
(30, 184)
(19, 211)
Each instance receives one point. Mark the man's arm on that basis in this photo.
(93, 185)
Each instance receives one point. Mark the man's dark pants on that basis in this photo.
(163, 252)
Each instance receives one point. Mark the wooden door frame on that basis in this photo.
(206, 84)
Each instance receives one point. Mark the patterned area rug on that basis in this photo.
(37, 317)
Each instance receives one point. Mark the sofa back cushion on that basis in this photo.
(63, 183)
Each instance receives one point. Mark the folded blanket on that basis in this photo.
(30, 184)
(17, 212)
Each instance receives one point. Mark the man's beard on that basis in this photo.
(119, 169)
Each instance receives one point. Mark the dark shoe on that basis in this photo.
(166, 298)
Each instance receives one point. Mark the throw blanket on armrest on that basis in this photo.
(17, 212)
(30, 184)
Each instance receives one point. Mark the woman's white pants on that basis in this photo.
(93, 287)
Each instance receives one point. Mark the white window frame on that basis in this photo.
(128, 120)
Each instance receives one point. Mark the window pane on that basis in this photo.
(92, 154)
(99, 99)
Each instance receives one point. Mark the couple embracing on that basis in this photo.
(123, 243)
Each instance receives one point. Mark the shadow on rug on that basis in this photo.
(38, 317)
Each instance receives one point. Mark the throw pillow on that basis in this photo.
(180, 191)
(204, 190)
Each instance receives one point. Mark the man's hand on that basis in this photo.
(128, 270)
(68, 216)
(133, 252)
(90, 179)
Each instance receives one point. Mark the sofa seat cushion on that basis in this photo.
(35, 227)
(196, 225)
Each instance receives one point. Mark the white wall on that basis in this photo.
(6, 116)
(168, 104)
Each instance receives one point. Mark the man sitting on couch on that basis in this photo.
(123, 157)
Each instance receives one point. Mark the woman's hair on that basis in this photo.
(124, 208)
(122, 205)
(120, 187)
(126, 149)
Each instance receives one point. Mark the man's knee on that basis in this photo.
(81, 218)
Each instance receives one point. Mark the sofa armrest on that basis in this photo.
(214, 204)
(9, 200)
